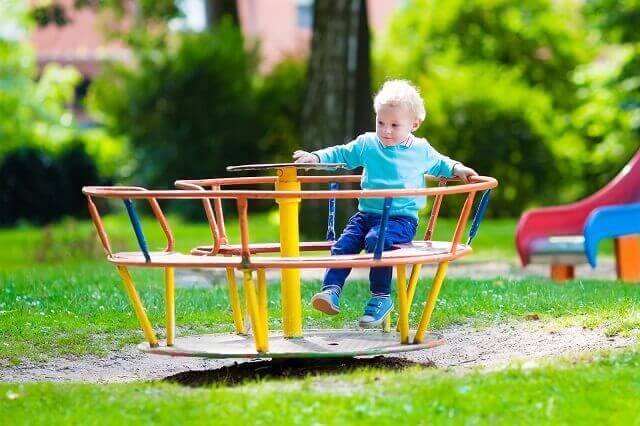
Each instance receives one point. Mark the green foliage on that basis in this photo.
(602, 132)
(516, 91)
(194, 109)
(40, 188)
(542, 39)
(188, 111)
(279, 97)
(33, 113)
(485, 117)
(617, 19)
(608, 118)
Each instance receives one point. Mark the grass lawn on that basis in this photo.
(601, 389)
(68, 300)
(55, 310)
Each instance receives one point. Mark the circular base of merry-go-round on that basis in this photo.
(314, 344)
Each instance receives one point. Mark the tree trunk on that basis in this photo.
(338, 104)
(216, 9)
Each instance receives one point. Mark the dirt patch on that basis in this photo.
(493, 347)
(507, 344)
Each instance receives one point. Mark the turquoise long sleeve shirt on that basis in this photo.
(400, 166)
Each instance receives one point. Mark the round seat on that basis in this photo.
(419, 252)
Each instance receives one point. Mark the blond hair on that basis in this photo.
(400, 93)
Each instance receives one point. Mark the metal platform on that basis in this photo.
(314, 344)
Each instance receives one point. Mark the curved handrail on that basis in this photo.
(195, 190)
(213, 224)
(480, 183)
(155, 207)
(253, 180)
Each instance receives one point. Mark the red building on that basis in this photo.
(283, 28)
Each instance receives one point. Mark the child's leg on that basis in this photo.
(350, 242)
(400, 229)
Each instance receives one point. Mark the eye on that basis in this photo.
(394, 125)
(380, 123)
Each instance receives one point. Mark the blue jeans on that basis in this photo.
(362, 232)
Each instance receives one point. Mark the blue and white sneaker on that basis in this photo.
(376, 310)
(327, 301)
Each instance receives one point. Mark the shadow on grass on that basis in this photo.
(239, 373)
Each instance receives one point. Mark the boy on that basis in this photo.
(392, 157)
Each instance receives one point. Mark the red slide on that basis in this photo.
(570, 219)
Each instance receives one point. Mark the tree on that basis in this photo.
(337, 104)
(32, 113)
(544, 40)
(188, 111)
(55, 13)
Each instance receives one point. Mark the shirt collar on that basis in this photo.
(407, 142)
(404, 144)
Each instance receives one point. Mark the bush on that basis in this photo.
(542, 39)
(40, 188)
(189, 111)
(33, 113)
(491, 122)
(279, 98)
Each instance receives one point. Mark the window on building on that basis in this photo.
(193, 18)
(305, 13)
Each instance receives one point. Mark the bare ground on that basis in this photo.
(491, 348)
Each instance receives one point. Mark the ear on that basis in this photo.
(415, 125)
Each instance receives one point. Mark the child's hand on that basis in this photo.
(463, 172)
(305, 157)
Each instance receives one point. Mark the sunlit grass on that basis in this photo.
(601, 389)
(56, 310)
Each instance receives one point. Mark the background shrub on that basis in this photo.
(188, 111)
(40, 187)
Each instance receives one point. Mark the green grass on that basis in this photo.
(68, 300)
(602, 389)
(57, 310)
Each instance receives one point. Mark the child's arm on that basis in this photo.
(300, 156)
(441, 165)
(349, 154)
(463, 172)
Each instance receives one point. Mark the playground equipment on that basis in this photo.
(252, 337)
(564, 236)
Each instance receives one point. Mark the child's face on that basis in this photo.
(394, 123)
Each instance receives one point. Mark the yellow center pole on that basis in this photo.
(290, 246)
(431, 302)
(170, 304)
